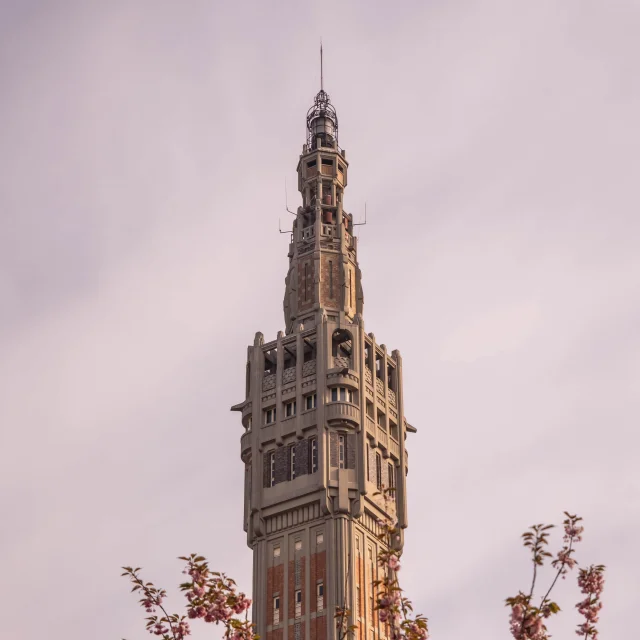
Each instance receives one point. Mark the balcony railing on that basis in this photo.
(392, 397)
(289, 375)
(269, 381)
(383, 438)
(380, 386)
(371, 426)
(343, 362)
(309, 368)
(343, 411)
(368, 376)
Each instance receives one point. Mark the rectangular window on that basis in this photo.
(306, 278)
(392, 476)
(378, 471)
(342, 394)
(330, 279)
(290, 409)
(319, 596)
(313, 454)
(276, 610)
(358, 602)
(292, 462)
(276, 552)
(341, 450)
(310, 401)
(298, 603)
(319, 537)
(270, 416)
(272, 468)
(298, 545)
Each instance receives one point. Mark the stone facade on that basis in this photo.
(324, 422)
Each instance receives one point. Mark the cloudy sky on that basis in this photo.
(145, 148)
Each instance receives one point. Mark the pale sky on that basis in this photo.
(144, 151)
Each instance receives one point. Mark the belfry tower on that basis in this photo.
(324, 422)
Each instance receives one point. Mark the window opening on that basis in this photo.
(341, 450)
(298, 603)
(392, 476)
(311, 401)
(270, 361)
(378, 470)
(319, 596)
(276, 610)
(292, 462)
(270, 416)
(272, 468)
(313, 452)
(290, 409)
(330, 279)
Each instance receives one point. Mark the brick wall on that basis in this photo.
(317, 566)
(306, 290)
(330, 287)
(275, 584)
(293, 586)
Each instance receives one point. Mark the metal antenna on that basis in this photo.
(361, 224)
(286, 204)
(321, 74)
(280, 228)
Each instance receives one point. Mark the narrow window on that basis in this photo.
(298, 603)
(358, 602)
(306, 278)
(392, 476)
(378, 471)
(272, 468)
(298, 545)
(319, 596)
(319, 538)
(343, 394)
(310, 401)
(313, 453)
(341, 446)
(290, 409)
(292, 462)
(276, 552)
(334, 394)
(330, 279)
(368, 464)
(270, 416)
(276, 609)
(349, 395)
(352, 287)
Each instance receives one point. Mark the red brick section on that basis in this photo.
(276, 634)
(330, 296)
(306, 290)
(292, 631)
(317, 567)
(275, 584)
(318, 630)
(292, 588)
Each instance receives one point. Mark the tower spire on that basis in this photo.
(321, 71)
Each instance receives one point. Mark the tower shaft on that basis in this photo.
(324, 423)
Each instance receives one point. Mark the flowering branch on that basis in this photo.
(211, 596)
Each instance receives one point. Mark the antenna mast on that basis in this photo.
(321, 74)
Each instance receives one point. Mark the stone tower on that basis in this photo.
(324, 422)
